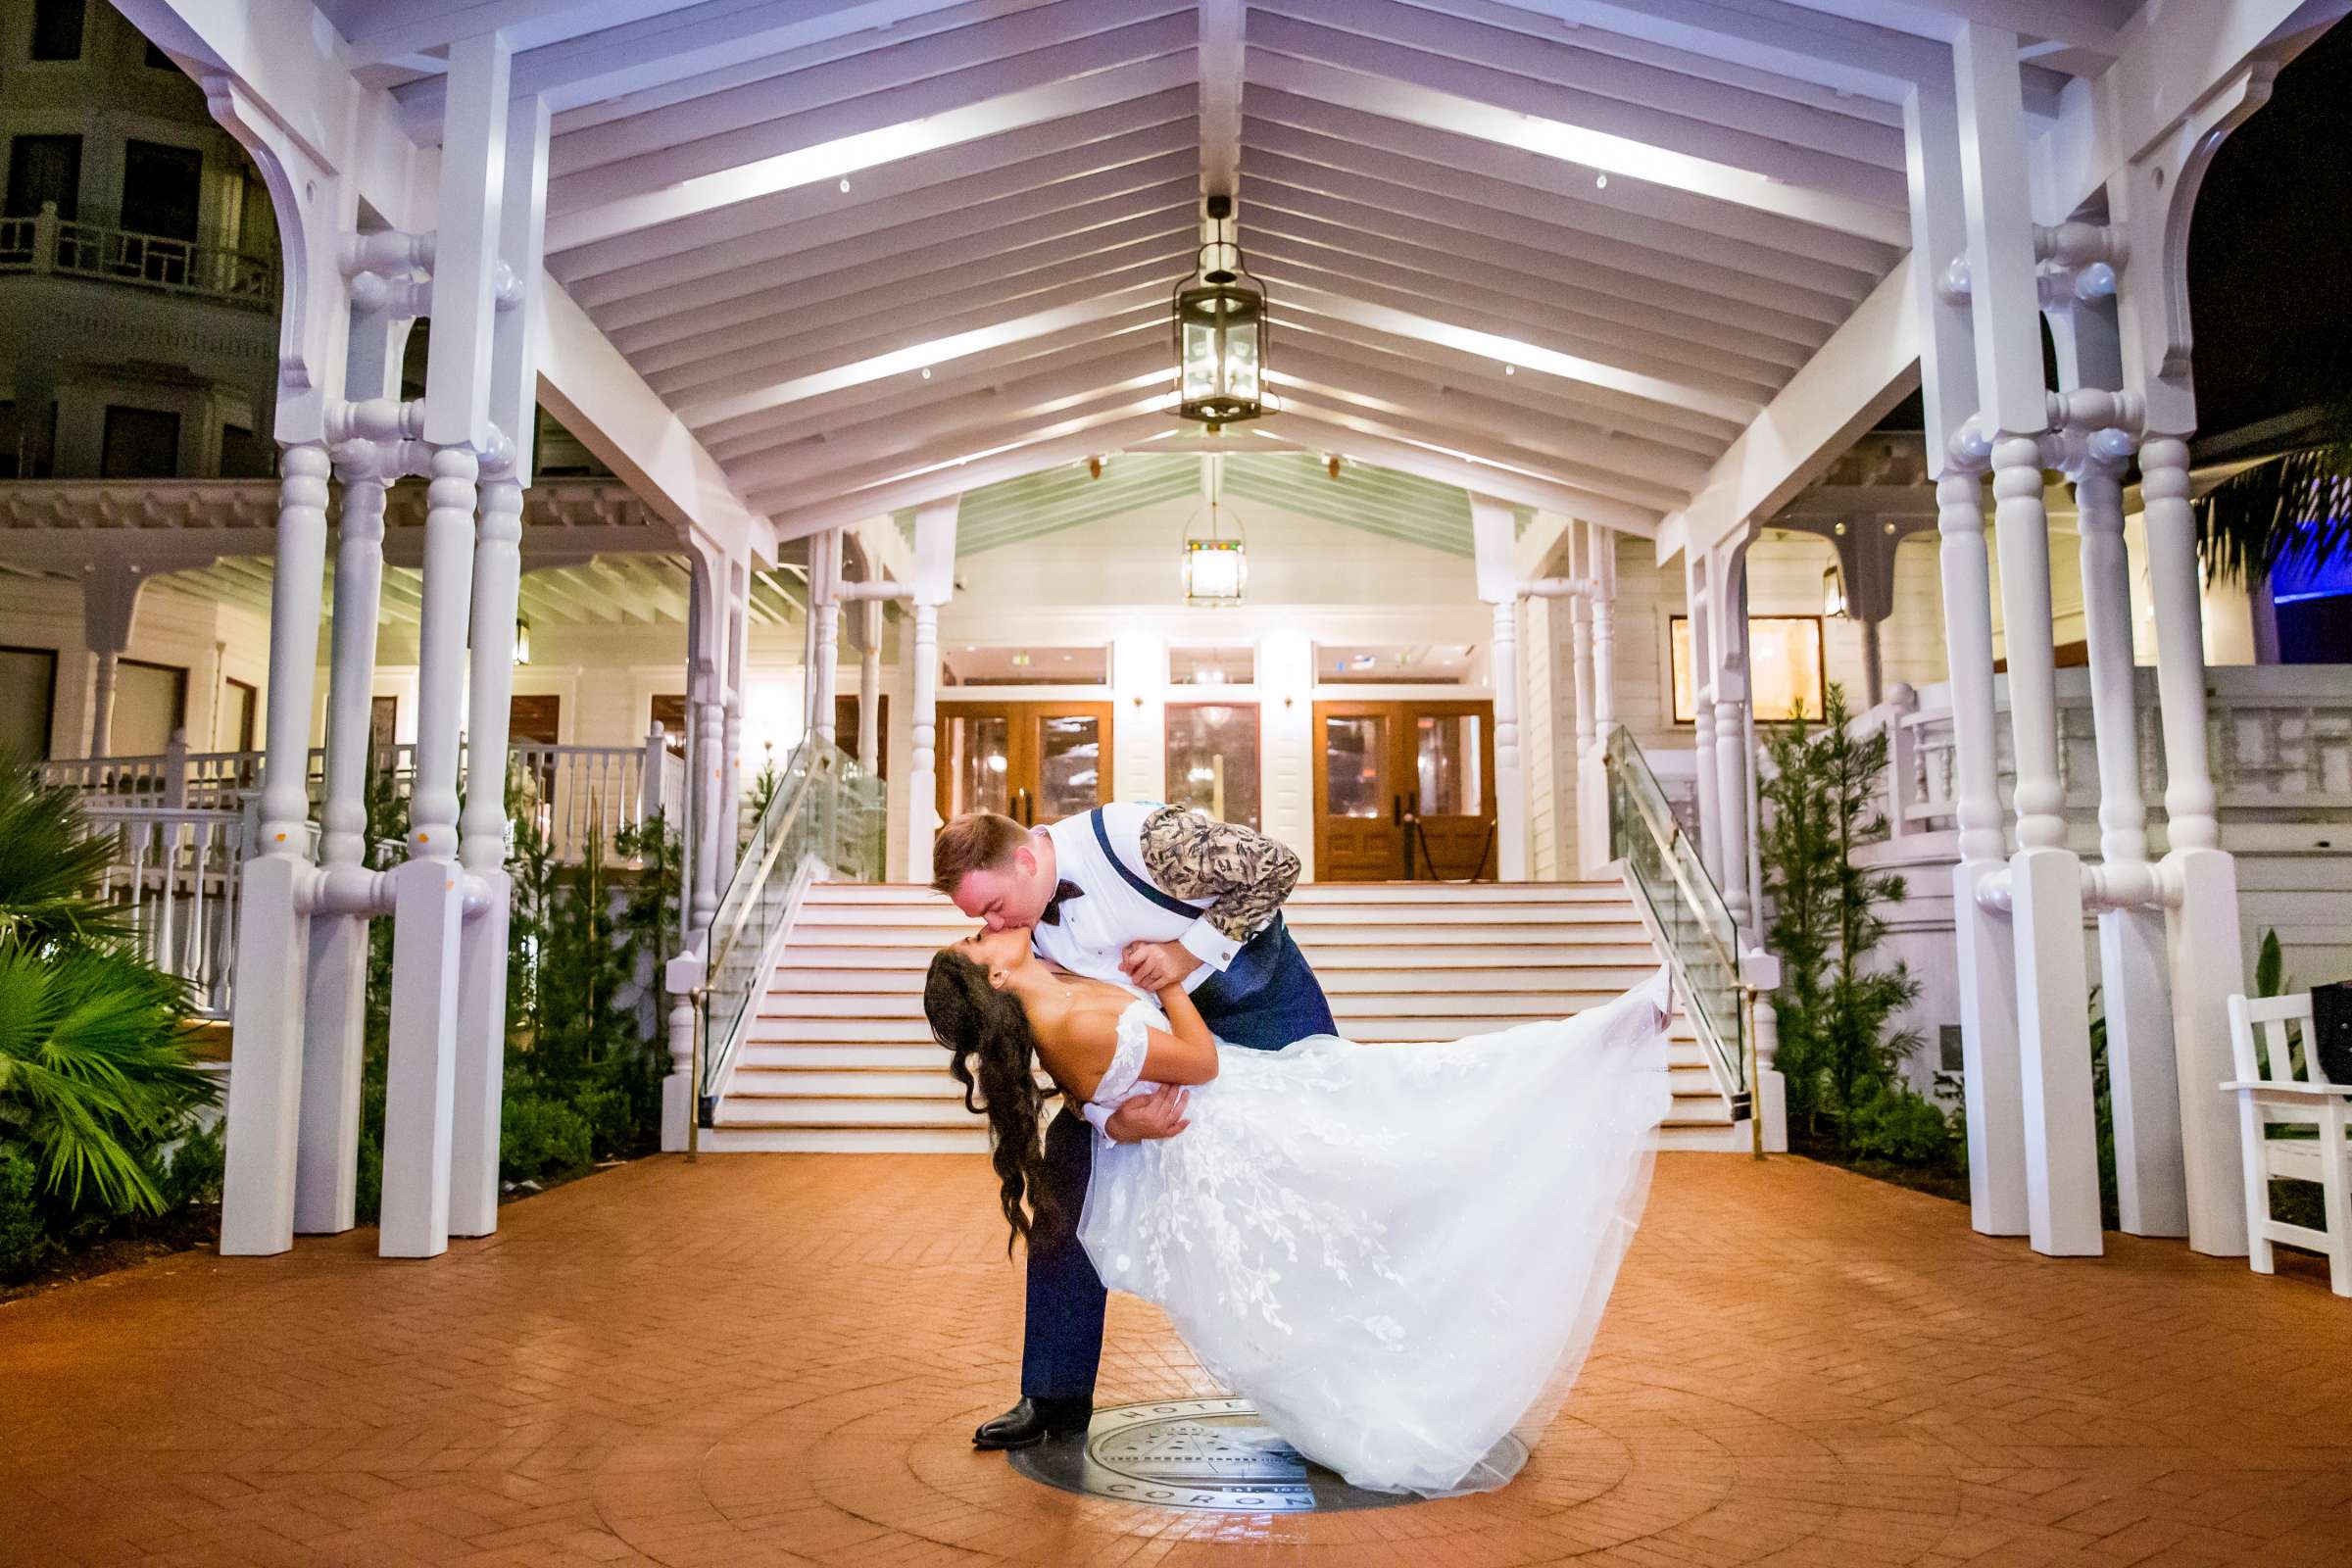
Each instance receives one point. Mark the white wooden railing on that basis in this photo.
(49, 244)
(2280, 738)
(576, 793)
(176, 869)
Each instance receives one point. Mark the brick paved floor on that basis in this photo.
(776, 1361)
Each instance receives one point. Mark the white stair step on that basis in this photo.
(769, 1085)
(1450, 1001)
(879, 980)
(842, 1110)
(786, 1140)
(1726, 1137)
(947, 924)
(1307, 894)
(1361, 1025)
(926, 1056)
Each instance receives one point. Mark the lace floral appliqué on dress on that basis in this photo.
(1400, 1252)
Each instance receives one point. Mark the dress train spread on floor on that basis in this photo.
(1400, 1253)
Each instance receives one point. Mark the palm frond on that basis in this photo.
(2294, 509)
(95, 1070)
(51, 864)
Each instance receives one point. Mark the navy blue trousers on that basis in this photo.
(1062, 1346)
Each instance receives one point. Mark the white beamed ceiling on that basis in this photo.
(1564, 252)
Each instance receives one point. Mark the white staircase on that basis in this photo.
(839, 1059)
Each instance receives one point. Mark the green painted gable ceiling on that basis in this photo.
(1378, 501)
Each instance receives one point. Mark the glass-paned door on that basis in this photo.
(1405, 790)
(1213, 760)
(1359, 818)
(1452, 800)
(1036, 763)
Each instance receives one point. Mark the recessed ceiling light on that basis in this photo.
(1603, 182)
(1510, 369)
(927, 372)
(845, 184)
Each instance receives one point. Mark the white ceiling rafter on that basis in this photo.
(829, 144)
(765, 395)
(1769, 189)
(1095, 153)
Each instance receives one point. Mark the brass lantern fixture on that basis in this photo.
(1220, 316)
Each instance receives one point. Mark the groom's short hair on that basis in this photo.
(976, 841)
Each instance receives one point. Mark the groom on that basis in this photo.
(1156, 894)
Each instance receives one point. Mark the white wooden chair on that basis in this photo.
(2271, 1094)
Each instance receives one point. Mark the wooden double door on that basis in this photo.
(1036, 763)
(1405, 790)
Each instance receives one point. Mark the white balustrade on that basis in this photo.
(2281, 741)
(176, 870)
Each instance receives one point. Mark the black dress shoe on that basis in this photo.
(1033, 1421)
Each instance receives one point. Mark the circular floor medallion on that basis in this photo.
(1212, 1454)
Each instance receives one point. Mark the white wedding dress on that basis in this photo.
(1400, 1253)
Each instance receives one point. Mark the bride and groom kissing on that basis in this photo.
(1399, 1253)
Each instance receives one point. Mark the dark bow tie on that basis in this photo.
(1062, 891)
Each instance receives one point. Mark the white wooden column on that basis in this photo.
(265, 1092)
(1984, 954)
(2135, 989)
(110, 603)
(1592, 803)
(2148, 202)
(327, 1165)
(1601, 546)
(430, 890)
(1698, 618)
(824, 608)
(2045, 887)
(870, 686)
(1735, 764)
(934, 584)
(1492, 534)
(478, 1106)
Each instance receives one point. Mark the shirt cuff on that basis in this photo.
(1209, 945)
(1099, 1118)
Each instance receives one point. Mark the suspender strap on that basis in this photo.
(1136, 879)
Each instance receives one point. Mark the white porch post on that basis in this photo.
(870, 686)
(1602, 551)
(110, 602)
(477, 1104)
(1591, 807)
(2045, 878)
(1698, 618)
(705, 779)
(1734, 762)
(327, 1167)
(2135, 992)
(824, 608)
(934, 584)
(265, 1092)
(1988, 984)
(1491, 532)
(431, 890)
(2147, 202)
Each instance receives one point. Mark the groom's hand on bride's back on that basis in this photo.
(1157, 1114)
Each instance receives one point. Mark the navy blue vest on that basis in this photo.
(1267, 997)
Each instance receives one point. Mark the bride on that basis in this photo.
(1399, 1253)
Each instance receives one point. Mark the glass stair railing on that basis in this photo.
(827, 819)
(1701, 943)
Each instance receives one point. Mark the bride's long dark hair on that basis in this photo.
(992, 1053)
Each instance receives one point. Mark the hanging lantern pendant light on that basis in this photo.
(1221, 325)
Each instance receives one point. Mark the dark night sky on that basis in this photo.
(2270, 250)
